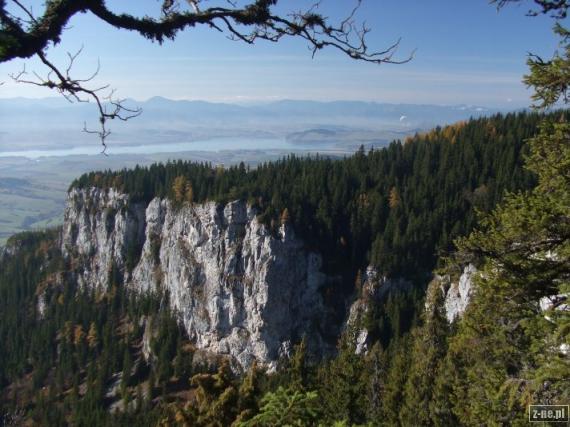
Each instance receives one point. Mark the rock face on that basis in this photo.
(457, 294)
(238, 289)
(101, 229)
(374, 287)
(552, 306)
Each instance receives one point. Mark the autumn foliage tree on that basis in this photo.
(183, 190)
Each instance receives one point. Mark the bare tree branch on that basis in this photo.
(74, 90)
(256, 20)
(25, 35)
(557, 8)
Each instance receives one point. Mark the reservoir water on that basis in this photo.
(212, 145)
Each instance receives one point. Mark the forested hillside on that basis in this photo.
(396, 208)
(76, 356)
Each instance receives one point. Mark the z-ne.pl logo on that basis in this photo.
(551, 413)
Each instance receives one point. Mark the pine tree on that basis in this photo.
(428, 349)
(126, 376)
(216, 397)
(248, 394)
(395, 380)
(376, 365)
(297, 370)
(286, 407)
(189, 193)
(341, 385)
(508, 352)
(182, 362)
(441, 404)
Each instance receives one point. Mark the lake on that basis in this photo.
(211, 145)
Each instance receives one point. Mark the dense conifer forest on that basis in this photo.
(397, 208)
(74, 356)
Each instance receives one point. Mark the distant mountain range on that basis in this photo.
(49, 121)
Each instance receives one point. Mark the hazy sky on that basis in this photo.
(466, 53)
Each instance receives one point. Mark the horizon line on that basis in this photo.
(259, 101)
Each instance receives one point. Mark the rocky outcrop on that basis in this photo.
(374, 287)
(456, 293)
(101, 232)
(555, 307)
(239, 289)
(12, 247)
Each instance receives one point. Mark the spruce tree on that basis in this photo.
(286, 407)
(510, 348)
(429, 348)
(342, 384)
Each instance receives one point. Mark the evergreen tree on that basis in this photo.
(249, 391)
(394, 207)
(297, 374)
(429, 348)
(126, 375)
(341, 385)
(216, 397)
(189, 193)
(376, 365)
(392, 398)
(509, 350)
(286, 407)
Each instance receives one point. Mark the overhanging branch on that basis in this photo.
(23, 35)
(23, 38)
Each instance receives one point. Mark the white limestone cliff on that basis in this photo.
(239, 290)
(456, 293)
(374, 287)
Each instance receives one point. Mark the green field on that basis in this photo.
(33, 192)
(28, 204)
